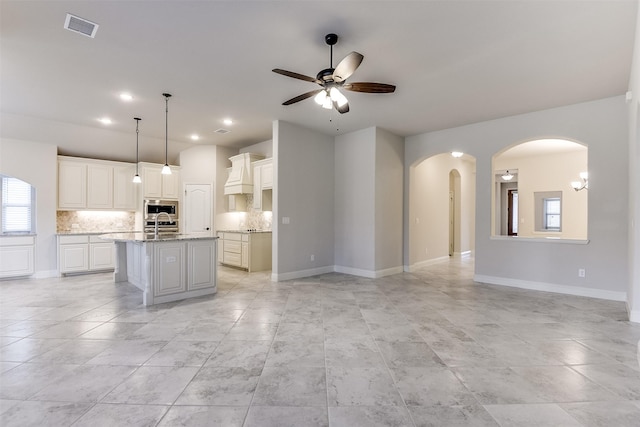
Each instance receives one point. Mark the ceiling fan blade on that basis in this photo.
(347, 66)
(295, 75)
(369, 87)
(343, 109)
(302, 97)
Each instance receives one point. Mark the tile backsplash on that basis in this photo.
(256, 219)
(94, 221)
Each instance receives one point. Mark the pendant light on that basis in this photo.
(136, 177)
(507, 176)
(166, 170)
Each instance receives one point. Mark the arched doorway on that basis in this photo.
(454, 212)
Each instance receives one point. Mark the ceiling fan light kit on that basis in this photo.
(333, 79)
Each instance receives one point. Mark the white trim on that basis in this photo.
(548, 239)
(371, 274)
(552, 287)
(275, 277)
(634, 316)
(425, 263)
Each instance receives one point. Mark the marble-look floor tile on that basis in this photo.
(395, 333)
(571, 352)
(351, 351)
(6, 366)
(370, 386)
(205, 331)
(127, 353)
(249, 331)
(156, 331)
(292, 353)
(308, 332)
(279, 416)
(86, 383)
(616, 377)
(210, 416)
(112, 331)
(291, 386)
(499, 386)
(532, 415)
(604, 414)
(221, 386)
(431, 387)
(27, 379)
(409, 354)
(369, 416)
(74, 352)
(38, 414)
(183, 353)
(28, 348)
(68, 329)
(152, 385)
(239, 354)
(452, 416)
(122, 415)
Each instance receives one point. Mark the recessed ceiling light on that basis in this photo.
(126, 97)
(195, 137)
(227, 122)
(457, 154)
(105, 121)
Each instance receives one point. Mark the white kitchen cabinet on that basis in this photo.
(201, 264)
(169, 270)
(251, 251)
(17, 256)
(262, 185)
(157, 186)
(95, 184)
(82, 253)
(124, 189)
(99, 186)
(72, 184)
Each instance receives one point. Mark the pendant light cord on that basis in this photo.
(137, 119)
(166, 128)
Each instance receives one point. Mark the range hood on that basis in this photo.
(240, 179)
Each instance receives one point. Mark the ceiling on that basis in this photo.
(453, 62)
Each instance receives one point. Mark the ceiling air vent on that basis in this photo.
(222, 131)
(81, 26)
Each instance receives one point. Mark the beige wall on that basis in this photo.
(550, 172)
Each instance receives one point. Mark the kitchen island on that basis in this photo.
(166, 267)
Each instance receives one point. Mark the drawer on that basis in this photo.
(97, 239)
(16, 240)
(233, 236)
(231, 246)
(68, 240)
(232, 258)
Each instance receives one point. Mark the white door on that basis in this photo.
(197, 210)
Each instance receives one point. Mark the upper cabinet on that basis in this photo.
(262, 184)
(95, 184)
(158, 186)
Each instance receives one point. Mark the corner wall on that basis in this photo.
(302, 192)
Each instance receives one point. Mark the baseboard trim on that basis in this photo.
(425, 263)
(552, 287)
(634, 315)
(279, 277)
(371, 274)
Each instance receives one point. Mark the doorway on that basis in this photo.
(454, 212)
(197, 210)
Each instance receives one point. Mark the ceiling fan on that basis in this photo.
(333, 79)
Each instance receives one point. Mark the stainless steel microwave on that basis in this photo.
(153, 207)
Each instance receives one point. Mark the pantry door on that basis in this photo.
(197, 210)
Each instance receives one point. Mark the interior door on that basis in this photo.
(197, 210)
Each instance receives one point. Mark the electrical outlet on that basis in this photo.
(286, 220)
(312, 257)
(582, 272)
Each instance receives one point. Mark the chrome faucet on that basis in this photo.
(155, 228)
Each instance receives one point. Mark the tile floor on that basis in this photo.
(430, 348)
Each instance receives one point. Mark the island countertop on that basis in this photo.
(151, 237)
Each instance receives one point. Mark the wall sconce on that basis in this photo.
(581, 185)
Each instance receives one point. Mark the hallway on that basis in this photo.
(429, 348)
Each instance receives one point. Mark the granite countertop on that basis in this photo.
(252, 231)
(151, 237)
(91, 233)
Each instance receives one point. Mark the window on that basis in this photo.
(548, 205)
(18, 206)
(551, 214)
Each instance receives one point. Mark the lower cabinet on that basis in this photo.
(84, 254)
(17, 255)
(251, 251)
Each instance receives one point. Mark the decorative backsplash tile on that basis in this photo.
(257, 219)
(94, 221)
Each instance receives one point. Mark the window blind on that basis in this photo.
(17, 201)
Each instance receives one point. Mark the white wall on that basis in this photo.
(265, 148)
(37, 164)
(389, 178)
(428, 210)
(303, 192)
(633, 289)
(355, 161)
(602, 126)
